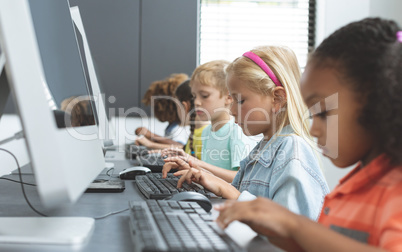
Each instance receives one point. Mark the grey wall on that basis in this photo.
(135, 42)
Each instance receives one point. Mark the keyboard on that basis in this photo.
(153, 186)
(165, 225)
(132, 151)
(152, 161)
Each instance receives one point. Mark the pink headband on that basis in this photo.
(257, 60)
(399, 36)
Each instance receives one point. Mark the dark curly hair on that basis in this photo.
(164, 109)
(368, 55)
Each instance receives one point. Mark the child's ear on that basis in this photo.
(279, 95)
(228, 100)
(186, 105)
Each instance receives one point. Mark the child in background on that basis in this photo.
(160, 95)
(188, 116)
(223, 143)
(283, 166)
(80, 111)
(353, 85)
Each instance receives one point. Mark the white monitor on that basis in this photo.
(106, 130)
(64, 160)
(4, 89)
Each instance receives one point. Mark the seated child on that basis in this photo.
(264, 84)
(188, 116)
(223, 143)
(352, 85)
(164, 109)
(80, 110)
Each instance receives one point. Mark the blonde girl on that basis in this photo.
(264, 84)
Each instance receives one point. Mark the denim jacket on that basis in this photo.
(285, 170)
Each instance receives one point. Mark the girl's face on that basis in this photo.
(252, 111)
(335, 110)
(182, 112)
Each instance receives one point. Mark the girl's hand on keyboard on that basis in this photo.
(209, 181)
(174, 152)
(263, 216)
(174, 163)
(198, 176)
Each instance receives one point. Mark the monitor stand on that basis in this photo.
(46, 230)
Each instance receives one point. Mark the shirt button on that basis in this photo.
(326, 210)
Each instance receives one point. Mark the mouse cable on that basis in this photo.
(111, 175)
(22, 183)
(112, 213)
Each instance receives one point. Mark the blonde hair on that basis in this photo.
(212, 74)
(283, 63)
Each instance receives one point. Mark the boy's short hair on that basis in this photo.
(212, 74)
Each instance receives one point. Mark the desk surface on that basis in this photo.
(111, 233)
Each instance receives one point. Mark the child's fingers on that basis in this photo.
(167, 167)
(182, 179)
(189, 176)
(225, 205)
(230, 213)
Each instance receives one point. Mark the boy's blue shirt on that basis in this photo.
(285, 170)
(226, 147)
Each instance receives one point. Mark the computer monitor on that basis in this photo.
(4, 89)
(64, 160)
(106, 130)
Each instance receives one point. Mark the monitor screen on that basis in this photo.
(66, 90)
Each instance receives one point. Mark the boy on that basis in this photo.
(223, 143)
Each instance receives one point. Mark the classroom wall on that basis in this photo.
(136, 42)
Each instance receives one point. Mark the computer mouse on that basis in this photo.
(202, 200)
(132, 172)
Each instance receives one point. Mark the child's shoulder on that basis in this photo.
(296, 146)
(391, 184)
(393, 178)
(292, 140)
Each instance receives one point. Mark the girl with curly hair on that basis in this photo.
(160, 95)
(353, 86)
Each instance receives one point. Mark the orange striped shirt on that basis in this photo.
(367, 205)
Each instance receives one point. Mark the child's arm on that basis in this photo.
(224, 174)
(182, 164)
(153, 145)
(210, 182)
(287, 230)
(142, 131)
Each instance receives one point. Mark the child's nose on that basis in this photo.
(315, 128)
(197, 102)
(233, 108)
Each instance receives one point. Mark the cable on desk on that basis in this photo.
(109, 214)
(29, 203)
(111, 175)
(16, 181)
(22, 183)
